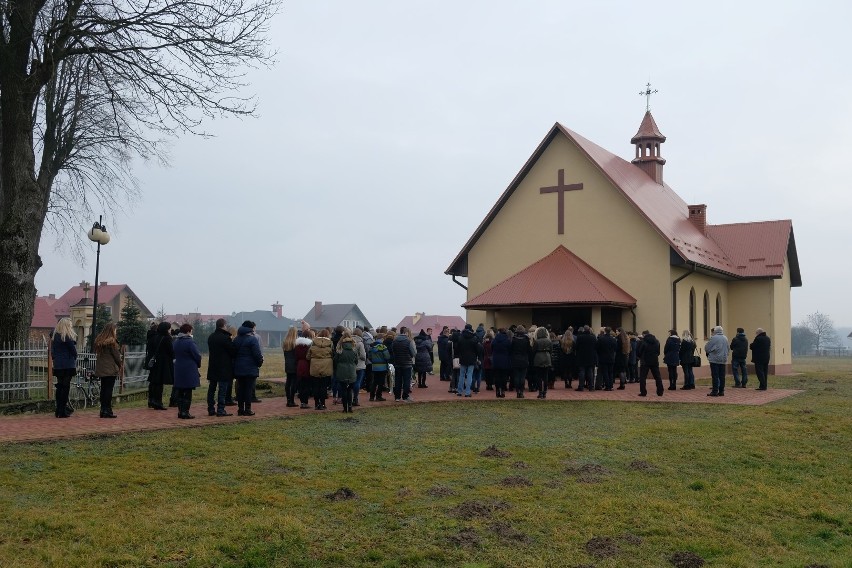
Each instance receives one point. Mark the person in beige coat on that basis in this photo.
(107, 366)
(322, 366)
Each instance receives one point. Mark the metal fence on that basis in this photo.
(25, 371)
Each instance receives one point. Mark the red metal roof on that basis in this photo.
(435, 322)
(43, 314)
(756, 249)
(648, 129)
(560, 278)
(666, 212)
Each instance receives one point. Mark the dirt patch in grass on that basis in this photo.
(505, 531)
(602, 547)
(587, 473)
(517, 481)
(466, 538)
(404, 492)
(342, 494)
(642, 465)
(478, 509)
(441, 491)
(686, 559)
(520, 465)
(629, 538)
(493, 452)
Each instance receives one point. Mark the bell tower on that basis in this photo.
(647, 142)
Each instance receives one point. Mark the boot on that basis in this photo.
(354, 402)
(247, 411)
(672, 385)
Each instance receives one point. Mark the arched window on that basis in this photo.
(692, 329)
(706, 314)
(718, 309)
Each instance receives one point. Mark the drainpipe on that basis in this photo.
(674, 294)
(459, 283)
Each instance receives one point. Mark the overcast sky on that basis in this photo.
(388, 129)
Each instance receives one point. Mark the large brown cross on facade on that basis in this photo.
(560, 189)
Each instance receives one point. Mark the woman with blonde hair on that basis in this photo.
(107, 366)
(289, 348)
(64, 354)
(321, 366)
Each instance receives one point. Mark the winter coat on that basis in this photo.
(717, 349)
(220, 364)
(290, 361)
(760, 349)
(521, 351)
(687, 353)
(320, 356)
(739, 347)
(445, 352)
(488, 354)
(160, 346)
(585, 347)
(63, 353)
(403, 351)
(380, 356)
(671, 351)
(634, 344)
(108, 363)
(605, 347)
(361, 352)
(541, 352)
(500, 351)
(248, 358)
(422, 359)
(346, 357)
(469, 348)
(648, 351)
(300, 352)
(187, 362)
(480, 333)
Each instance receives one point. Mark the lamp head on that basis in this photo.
(98, 234)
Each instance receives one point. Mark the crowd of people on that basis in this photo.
(341, 363)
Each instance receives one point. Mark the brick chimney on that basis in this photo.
(277, 310)
(317, 309)
(698, 216)
(417, 316)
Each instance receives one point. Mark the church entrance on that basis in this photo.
(561, 318)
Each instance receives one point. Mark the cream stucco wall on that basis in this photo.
(601, 227)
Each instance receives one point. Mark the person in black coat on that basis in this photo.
(739, 353)
(520, 355)
(648, 353)
(585, 347)
(671, 357)
(760, 353)
(605, 348)
(220, 368)
(445, 354)
(687, 359)
(501, 361)
(163, 372)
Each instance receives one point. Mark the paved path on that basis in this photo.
(84, 423)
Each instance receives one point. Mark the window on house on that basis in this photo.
(692, 329)
(718, 309)
(706, 314)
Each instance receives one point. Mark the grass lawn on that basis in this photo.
(600, 484)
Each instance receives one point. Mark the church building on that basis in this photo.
(584, 237)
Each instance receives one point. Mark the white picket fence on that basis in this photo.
(25, 371)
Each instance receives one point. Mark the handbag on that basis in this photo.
(696, 361)
(152, 362)
(456, 363)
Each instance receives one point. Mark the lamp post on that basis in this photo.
(99, 235)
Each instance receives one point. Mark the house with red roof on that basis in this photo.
(77, 304)
(421, 320)
(582, 236)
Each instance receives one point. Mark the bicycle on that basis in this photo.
(85, 390)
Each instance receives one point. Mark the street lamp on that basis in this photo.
(99, 235)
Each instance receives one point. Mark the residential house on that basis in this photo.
(332, 315)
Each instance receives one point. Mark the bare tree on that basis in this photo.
(822, 329)
(86, 86)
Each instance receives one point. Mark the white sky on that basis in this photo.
(388, 129)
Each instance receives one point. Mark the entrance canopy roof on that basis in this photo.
(561, 278)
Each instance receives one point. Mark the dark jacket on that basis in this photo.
(469, 348)
(445, 351)
(585, 347)
(220, 362)
(500, 351)
(671, 351)
(739, 346)
(605, 347)
(648, 351)
(290, 361)
(347, 360)
(541, 352)
(687, 353)
(187, 363)
(160, 345)
(300, 352)
(63, 353)
(248, 358)
(521, 351)
(380, 356)
(480, 333)
(760, 349)
(422, 357)
(108, 362)
(403, 351)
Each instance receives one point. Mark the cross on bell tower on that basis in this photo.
(647, 142)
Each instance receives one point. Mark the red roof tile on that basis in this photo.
(648, 129)
(757, 249)
(560, 278)
(106, 294)
(43, 314)
(437, 323)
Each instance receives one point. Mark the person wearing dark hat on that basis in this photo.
(739, 353)
(648, 353)
(671, 357)
(761, 349)
(469, 351)
(248, 359)
(163, 371)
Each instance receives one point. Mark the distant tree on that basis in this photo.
(803, 340)
(161, 315)
(822, 327)
(201, 331)
(131, 328)
(103, 317)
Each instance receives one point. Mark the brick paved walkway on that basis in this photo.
(42, 427)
